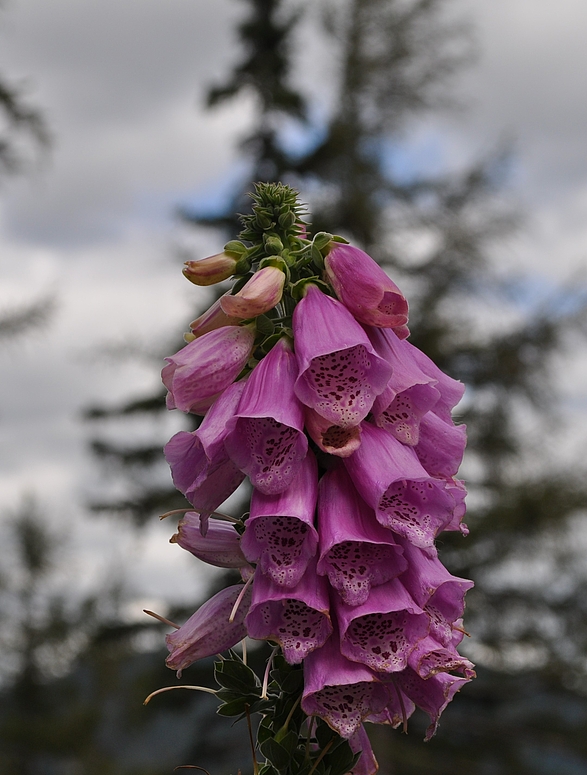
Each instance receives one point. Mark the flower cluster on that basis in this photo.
(308, 386)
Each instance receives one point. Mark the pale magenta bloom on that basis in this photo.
(262, 292)
(211, 270)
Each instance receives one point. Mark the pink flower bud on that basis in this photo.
(262, 292)
(220, 546)
(213, 318)
(211, 270)
(364, 288)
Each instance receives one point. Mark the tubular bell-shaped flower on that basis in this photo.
(213, 318)
(209, 630)
(441, 446)
(261, 293)
(266, 438)
(198, 373)
(332, 439)
(280, 535)
(342, 692)
(382, 632)
(437, 591)
(392, 481)
(205, 485)
(431, 657)
(432, 694)
(211, 270)
(409, 394)
(340, 373)
(364, 288)
(220, 546)
(298, 619)
(356, 552)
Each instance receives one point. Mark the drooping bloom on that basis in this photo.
(261, 293)
(364, 288)
(356, 552)
(200, 466)
(204, 485)
(367, 764)
(441, 446)
(410, 392)
(391, 479)
(220, 546)
(213, 318)
(332, 439)
(209, 630)
(211, 270)
(266, 438)
(297, 618)
(432, 694)
(430, 657)
(340, 373)
(437, 591)
(199, 372)
(383, 631)
(280, 535)
(340, 691)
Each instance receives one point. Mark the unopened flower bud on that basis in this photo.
(261, 293)
(213, 318)
(220, 546)
(211, 270)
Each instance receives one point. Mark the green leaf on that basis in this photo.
(341, 760)
(275, 753)
(237, 677)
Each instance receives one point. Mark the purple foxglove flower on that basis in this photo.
(356, 552)
(205, 485)
(198, 373)
(457, 489)
(220, 546)
(364, 288)
(409, 394)
(367, 764)
(266, 438)
(399, 708)
(430, 658)
(434, 589)
(441, 446)
(213, 318)
(382, 631)
(298, 619)
(451, 390)
(341, 692)
(211, 270)
(209, 630)
(332, 439)
(432, 695)
(261, 293)
(280, 535)
(340, 373)
(391, 480)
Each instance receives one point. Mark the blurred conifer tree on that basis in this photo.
(396, 57)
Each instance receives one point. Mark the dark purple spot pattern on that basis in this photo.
(274, 452)
(341, 380)
(344, 707)
(401, 420)
(354, 566)
(281, 540)
(380, 640)
(300, 629)
(407, 508)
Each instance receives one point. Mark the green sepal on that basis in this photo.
(265, 325)
(287, 219)
(270, 342)
(338, 238)
(322, 239)
(297, 289)
(317, 258)
(276, 261)
(235, 249)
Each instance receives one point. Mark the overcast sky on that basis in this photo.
(121, 85)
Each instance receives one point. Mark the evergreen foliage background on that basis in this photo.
(76, 674)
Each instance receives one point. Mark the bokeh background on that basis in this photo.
(447, 137)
